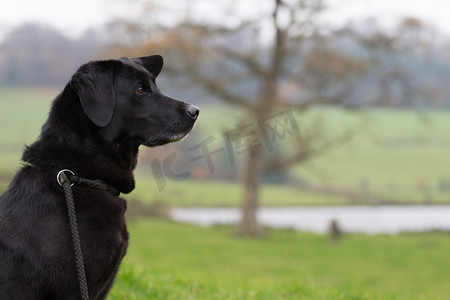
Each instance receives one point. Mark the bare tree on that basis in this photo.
(299, 53)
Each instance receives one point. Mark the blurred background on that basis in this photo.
(319, 165)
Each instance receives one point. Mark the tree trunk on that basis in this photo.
(249, 225)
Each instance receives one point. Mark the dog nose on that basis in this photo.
(193, 111)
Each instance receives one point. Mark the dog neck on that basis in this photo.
(69, 140)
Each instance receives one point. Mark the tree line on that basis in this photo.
(36, 54)
(413, 59)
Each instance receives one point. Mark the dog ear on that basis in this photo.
(94, 84)
(152, 63)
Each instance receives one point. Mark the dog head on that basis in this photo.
(121, 98)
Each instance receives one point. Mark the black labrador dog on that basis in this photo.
(95, 127)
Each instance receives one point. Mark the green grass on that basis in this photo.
(213, 193)
(395, 152)
(133, 284)
(22, 114)
(173, 261)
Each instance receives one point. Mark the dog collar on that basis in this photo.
(80, 181)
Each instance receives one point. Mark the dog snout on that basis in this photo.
(193, 111)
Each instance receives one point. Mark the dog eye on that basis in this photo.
(140, 90)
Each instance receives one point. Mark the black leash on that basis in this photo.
(67, 186)
(67, 181)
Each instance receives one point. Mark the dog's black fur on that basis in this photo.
(95, 127)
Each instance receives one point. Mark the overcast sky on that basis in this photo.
(74, 16)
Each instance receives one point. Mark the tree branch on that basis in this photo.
(249, 61)
(305, 153)
(214, 86)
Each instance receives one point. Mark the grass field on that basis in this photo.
(402, 154)
(173, 261)
(398, 155)
(22, 114)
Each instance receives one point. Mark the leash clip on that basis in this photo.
(61, 178)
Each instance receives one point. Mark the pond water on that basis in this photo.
(363, 219)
